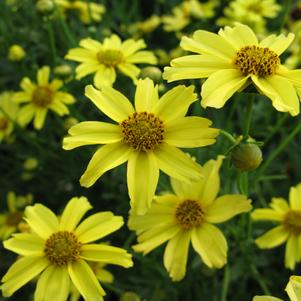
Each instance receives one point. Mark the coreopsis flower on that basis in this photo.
(8, 114)
(88, 11)
(288, 215)
(104, 59)
(188, 215)
(40, 97)
(232, 60)
(293, 290)
(147, 136)
(16, 53)
(57, 250)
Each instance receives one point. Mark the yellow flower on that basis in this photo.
(88, 12)
(147, 137)
(8, 114)
(40, 98)
(11, 221)
(289, 218)
(187, 216)
(16, 53)
(232, 60)
(58, 250)
(104, 59)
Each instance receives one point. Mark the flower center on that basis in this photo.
(3, 124)
(189, 214)
(143, 131)
(256, 60)
(110, 57)
(13, 218)
(42, 96)
(292, 221)
(62, 247)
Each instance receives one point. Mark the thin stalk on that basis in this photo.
(259, 279)
(248, 118)
(226, 282)
(276, 127)
(228, 136)
(285, 9)
(51, 40)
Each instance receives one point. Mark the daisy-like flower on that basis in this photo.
(58, 250)
(187, 216)
(104, 59)
(289, 230)
(232, 60)
(41, 97)
(147, 137)
(293, 290)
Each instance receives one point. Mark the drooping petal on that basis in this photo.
(105, 76)
(97, 226)
(210, 243)
(104, 159)
(281, 92)
(175, 103)
(295, 197)
(277, 43)
(272, 238)
(292, 252)
(73, 213)
(106, 254)
(146, 96)
(86, 68)
(21, 272)
(142, 179)
(41, 220)
(190, 132)
(111, 102)
(92, 132)
(220, 86)
(25, 244)
(85, 281)
(39, 118)
(53, 284)
(129, 70)
(59, 107)
(176, 164)
(26, 114)
(43, 76)
(226, 207)
(176, 254)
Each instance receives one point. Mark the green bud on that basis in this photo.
(63, 71)
(153, 73)
(246, 156)
(129, 296)
(45, 7)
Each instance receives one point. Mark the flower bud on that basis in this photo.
(129, 296)
(63, 71)
(246, 156)
(16, 53)
(45, 7)
(30, 164)
(153, 73)
(69, 122)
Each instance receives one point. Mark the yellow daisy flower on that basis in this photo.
(8, 114)
(41, 97)
(147, 137)
(58, 250)
(187, 216)
(232, 60)
(104, 59)
(289, 230)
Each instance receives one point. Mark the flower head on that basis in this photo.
(289, 229)
(59, 249)
(41, 97)
(232, 60)
(187, 216)
(146, 136)
(104, 59)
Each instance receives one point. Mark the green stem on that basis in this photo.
(278, 150)
(247, 124)
(285, 9)
(259, 279)
(226, 282)
(276, 127)
(51, 40)
(228, 136)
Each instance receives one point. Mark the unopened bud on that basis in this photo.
(129, 296)
(30, 164)
(45, 7)
(16, 53)
(63, 71)
(153, 73)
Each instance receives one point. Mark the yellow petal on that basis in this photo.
(85, 281)
(210, 243)
(21, 272)
(26, 114)
(81, 55)
(272, 238)
(104, 159)
(86, 68)
(130, 46)
(66, 98)
(25, 244)
(43, 76)
(59, 107)
(267, 214)
(39, 118)
(176, 254)
(280, 205)
(105, 76)
(97, 226)
(295, 197)
(27, 85)
(56, 84)
(41, 220)
(74, 212)
(185, 190)
(21, 97)
(106, 254)
(146, 96)
(92, 132)
(129, 70)
(111, 102)
(142, 179)
(292, 252)
(142, 57)
(53, 284)
(90, 44)
(293, 288)
(226, 207)
(175, 103)
(281, 92)
(266, 298)
(277, 43)
(220, 86)
(176, 164)
(190, 132)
